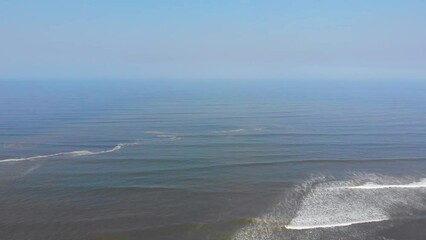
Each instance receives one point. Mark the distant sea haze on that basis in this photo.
(213, 160)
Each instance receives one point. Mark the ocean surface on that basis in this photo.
(217, 160)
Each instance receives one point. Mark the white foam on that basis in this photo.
(70, 154)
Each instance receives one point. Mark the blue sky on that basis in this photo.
(216, 39)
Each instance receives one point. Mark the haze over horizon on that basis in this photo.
(238, 39)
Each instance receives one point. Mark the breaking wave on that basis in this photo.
(324, 203)
(239, 130)
(70, 154)
(371, 185)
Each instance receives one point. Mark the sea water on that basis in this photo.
(222, 159)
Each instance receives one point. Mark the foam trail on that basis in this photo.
(70, 154)
(30, 170)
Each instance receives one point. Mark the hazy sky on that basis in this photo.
(213, 39)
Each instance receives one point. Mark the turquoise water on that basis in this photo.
(212, 160)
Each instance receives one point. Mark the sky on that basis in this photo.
(213, 39)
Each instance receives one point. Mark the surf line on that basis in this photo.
(289, 226)
(71, 154)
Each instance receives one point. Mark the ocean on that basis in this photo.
(236, 160)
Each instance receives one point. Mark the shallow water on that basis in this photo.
(222, 160)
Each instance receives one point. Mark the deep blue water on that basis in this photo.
(212, 160)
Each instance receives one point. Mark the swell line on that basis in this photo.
(273, 163)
